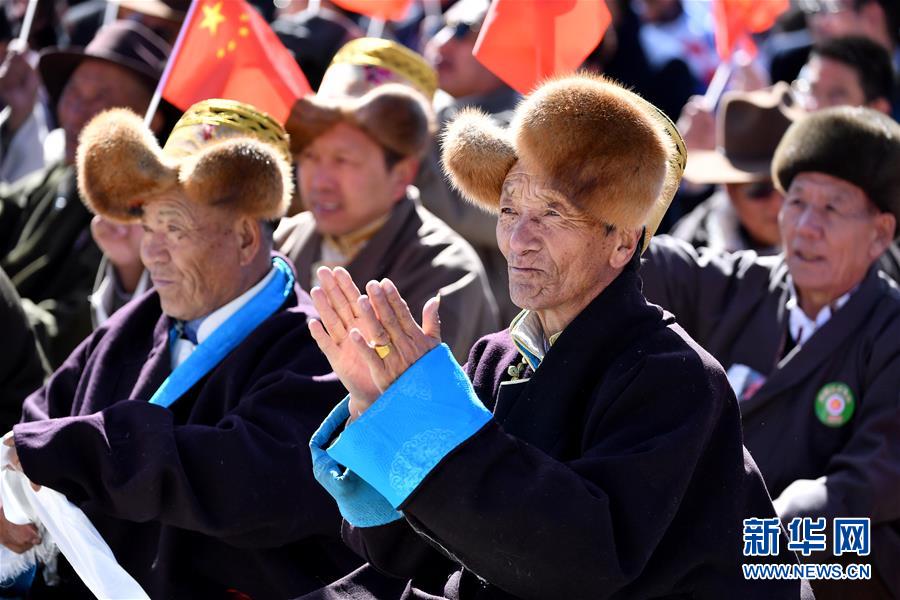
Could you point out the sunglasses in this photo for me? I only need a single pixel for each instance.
(760, 190)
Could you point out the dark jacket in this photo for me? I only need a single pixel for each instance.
(47, 250)
(422, 256)
(615, 470)
(735, 306)
(22, 368)
(213, 494)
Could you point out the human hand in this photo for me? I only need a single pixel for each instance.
(397, 341)
(19, 83)
(336, 301)
(697, 124)
(122, 246)
(18, 538)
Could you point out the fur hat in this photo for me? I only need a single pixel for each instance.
(221, 153)
(394, 115)
(858, 145)
(606, 149)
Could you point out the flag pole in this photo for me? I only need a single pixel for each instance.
(22, 40)
(111, 11)
(376, 28)
(157, 94)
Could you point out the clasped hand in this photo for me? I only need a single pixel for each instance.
(369, 339)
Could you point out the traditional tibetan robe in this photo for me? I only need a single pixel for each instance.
(613, 470)
(212, 494)
(820, 417)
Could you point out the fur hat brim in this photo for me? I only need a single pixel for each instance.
(121, 167)
(601, 146)
(394, 115)
(856, 144)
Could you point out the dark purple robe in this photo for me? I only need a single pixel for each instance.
(615, 470)
(214, 493)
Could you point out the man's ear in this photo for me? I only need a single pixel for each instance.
(403, 173)
(885, 230)
(625, 243)
(249, 234)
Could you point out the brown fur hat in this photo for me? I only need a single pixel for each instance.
(221, 153)
(604, 148)
(858, 145)
(396, 116)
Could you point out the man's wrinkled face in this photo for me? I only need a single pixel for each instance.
(193, 255)
(556, 255)
(96, 86)
(345, 182)
(832, 234)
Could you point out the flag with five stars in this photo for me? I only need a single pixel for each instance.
(227, 50)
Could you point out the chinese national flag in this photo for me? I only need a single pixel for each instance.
(525, 42)
(386, 10)
(227, 50)
(735, 20)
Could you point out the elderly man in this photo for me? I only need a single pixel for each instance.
(811, 338)
(359, 144)
(45, 242)
(180, 426)
(612, 464)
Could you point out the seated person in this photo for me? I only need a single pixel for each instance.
(45, 242)
(610, 463)
(180, 426)
(811, 337)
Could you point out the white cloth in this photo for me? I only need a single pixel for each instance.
(183, 348)
(800, 325)
(66, 527)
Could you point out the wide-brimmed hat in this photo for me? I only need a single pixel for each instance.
(606, 149)
(125, 43)
(856, 144)
(171, 10)
(748, 128)
(221, 152)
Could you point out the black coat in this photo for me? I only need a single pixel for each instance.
(616, 470)
(215, 493)
(22, 368)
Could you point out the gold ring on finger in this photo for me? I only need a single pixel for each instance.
(383, 350)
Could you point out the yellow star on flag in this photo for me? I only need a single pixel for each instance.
(212, 17)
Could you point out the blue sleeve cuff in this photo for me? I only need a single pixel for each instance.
(360, 504)
(426, 413)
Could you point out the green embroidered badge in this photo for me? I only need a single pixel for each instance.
(835, 404)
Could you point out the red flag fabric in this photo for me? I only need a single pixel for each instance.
(227, 50)
(386, 10)
(735, 20)
(525, 42)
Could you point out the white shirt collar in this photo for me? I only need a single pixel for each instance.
(802, 327)
(528, 335)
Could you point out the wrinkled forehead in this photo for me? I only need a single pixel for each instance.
(523, 184)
